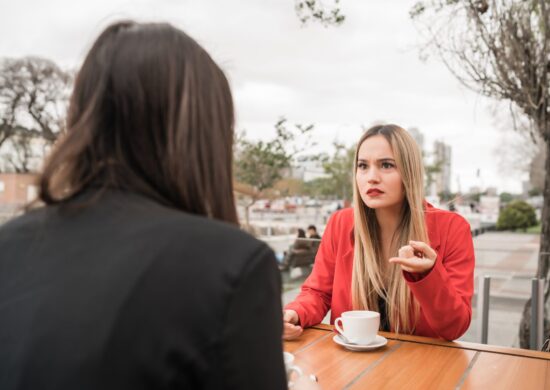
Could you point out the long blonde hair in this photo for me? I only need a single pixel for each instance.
(367, 281)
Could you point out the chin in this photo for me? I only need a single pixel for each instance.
(378, 204)
(374, 204)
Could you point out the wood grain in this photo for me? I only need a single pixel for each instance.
(309, 336)
(414, 362)
(418, 366)
(500, 371)
(334, 365)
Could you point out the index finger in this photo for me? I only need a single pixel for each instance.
(412, 263)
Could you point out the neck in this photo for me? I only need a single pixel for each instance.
(388, 219)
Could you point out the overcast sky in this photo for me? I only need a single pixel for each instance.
(339, 78)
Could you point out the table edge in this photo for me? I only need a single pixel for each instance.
(456, 344)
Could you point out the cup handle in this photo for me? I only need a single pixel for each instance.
(296, 369)
(337, 325)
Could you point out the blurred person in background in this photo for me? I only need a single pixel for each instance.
(312, 232)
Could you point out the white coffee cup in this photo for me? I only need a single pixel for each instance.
(358, 326)
(289, 367)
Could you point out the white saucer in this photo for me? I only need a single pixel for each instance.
(378, 342)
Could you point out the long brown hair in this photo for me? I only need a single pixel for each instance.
(150, 113)
(367, 280)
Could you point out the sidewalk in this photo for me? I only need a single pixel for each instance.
(511, 261)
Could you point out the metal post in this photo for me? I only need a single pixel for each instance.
(537, 314)
(483, 307)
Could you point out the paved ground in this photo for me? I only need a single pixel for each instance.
(509, 258)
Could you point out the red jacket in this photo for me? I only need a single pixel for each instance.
(444, 294)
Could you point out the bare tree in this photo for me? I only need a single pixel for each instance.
(516, 152)
(499, 48)
(22, 155)
(319, 11)
(11, 96)
(33, 99)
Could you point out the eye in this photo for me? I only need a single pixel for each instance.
(387, 165)
(361, 165)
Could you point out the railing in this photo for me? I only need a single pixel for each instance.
(537, 311)
(483, 229)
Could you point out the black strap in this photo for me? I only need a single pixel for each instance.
(384, 320)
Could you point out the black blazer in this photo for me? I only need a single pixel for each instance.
(128, 294)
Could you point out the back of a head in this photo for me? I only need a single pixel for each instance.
(150, 113)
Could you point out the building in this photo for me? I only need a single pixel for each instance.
(442, 158)
(308, 168)
(418, 137)
(16, 190)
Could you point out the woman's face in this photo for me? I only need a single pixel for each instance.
(378, 180)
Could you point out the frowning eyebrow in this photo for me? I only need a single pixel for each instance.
(385, 159)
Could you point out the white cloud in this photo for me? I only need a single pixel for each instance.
(338, 78)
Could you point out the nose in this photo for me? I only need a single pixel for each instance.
(373, 176)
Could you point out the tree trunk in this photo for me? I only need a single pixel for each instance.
(543, 263)
(247, 213)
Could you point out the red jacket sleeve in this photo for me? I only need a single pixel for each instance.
(314, 300)
(445, 293)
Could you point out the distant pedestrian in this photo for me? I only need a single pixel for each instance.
(312, 232)
(300, 245)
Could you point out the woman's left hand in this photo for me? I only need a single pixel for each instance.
(417, 257)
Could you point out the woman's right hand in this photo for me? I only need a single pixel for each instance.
(290, 328)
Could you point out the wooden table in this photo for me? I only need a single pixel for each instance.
(413, 362)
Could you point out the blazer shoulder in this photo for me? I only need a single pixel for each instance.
(444, 225)
(24, 223)
(343, 218)
(440, 216)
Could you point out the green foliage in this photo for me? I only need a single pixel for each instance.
(447, 196)
(506, 197)
(339, 167)
(534, 229)
(535, 192)
(321, 187)
(260, 164)
(517, 215)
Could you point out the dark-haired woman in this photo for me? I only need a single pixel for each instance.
(134, 274)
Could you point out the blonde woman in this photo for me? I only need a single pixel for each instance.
(392, 252)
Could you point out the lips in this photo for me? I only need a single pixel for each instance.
(374, 192)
